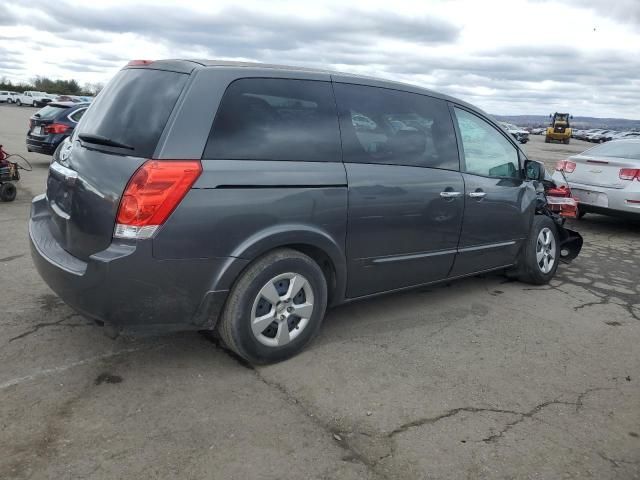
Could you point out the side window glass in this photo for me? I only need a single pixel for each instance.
(276, 119)
(392, 127)
(76, 116)
(486, 151)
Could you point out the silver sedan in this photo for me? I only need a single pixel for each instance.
(604, 179)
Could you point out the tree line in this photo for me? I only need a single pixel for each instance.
(45, 84)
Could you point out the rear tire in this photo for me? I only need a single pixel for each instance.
(546, 140)
(19, 102)
(567, 141)
(265, 331)
(8, 192)
(581, 212)
(34, 104)
(541, 254)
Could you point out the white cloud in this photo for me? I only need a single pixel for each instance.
(521, 56)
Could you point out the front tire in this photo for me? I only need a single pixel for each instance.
(541, 254)
(275, 308)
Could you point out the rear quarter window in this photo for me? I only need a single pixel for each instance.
(276, 119)
(134, 107)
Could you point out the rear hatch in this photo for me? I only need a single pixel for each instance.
(117, 134)
(44, 117)
(600, 166)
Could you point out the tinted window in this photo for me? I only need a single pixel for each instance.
(134, 107)
(276, 119)
(486, 151)
(616, 149)
(385, 126)
(50, 111)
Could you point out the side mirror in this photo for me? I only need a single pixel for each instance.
(534, 170)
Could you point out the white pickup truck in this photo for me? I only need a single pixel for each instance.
(32, 98)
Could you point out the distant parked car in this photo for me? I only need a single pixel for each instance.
(601, 137)
(520, 134)
(51, 125)
(9, 97)
(33, 99)
(538, 131)
(67, 98)
(604, 179)
(630, 135)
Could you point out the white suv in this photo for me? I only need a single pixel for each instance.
(9, 97)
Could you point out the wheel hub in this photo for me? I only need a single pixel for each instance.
(282, 309)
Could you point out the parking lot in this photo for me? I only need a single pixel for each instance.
(482, 379)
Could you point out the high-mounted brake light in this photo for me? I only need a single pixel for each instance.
(629, 174)
(152, 194)
(567, 165)
(56, 128)
(139, 63)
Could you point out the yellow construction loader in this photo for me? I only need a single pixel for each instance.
(559, 130)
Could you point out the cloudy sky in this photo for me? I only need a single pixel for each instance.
(507, 57)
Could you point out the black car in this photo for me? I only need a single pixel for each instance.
(52, 124)
(248, 198)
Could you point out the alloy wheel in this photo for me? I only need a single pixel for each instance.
(546, 250)
(282, 309)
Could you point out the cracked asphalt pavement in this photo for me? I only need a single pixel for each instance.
(481, 379)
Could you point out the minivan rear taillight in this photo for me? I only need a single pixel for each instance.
(152, 194)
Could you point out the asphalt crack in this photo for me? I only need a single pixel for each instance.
(340, 437)
(11, 257)
(617, 462)
(39, 326)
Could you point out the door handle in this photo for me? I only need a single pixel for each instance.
(477, 194)
(450, 194)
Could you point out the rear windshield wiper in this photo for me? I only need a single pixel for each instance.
(100, 140)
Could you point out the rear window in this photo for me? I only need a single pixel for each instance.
(50, 111)
(620, 149)
(133, 109)
(276, 119)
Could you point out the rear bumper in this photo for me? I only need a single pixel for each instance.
(46, 147)
(126, 287)
(619, 200)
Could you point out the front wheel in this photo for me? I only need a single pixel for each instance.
(541, 253)
(275, 308)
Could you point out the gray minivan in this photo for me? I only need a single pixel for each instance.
(246, 198)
